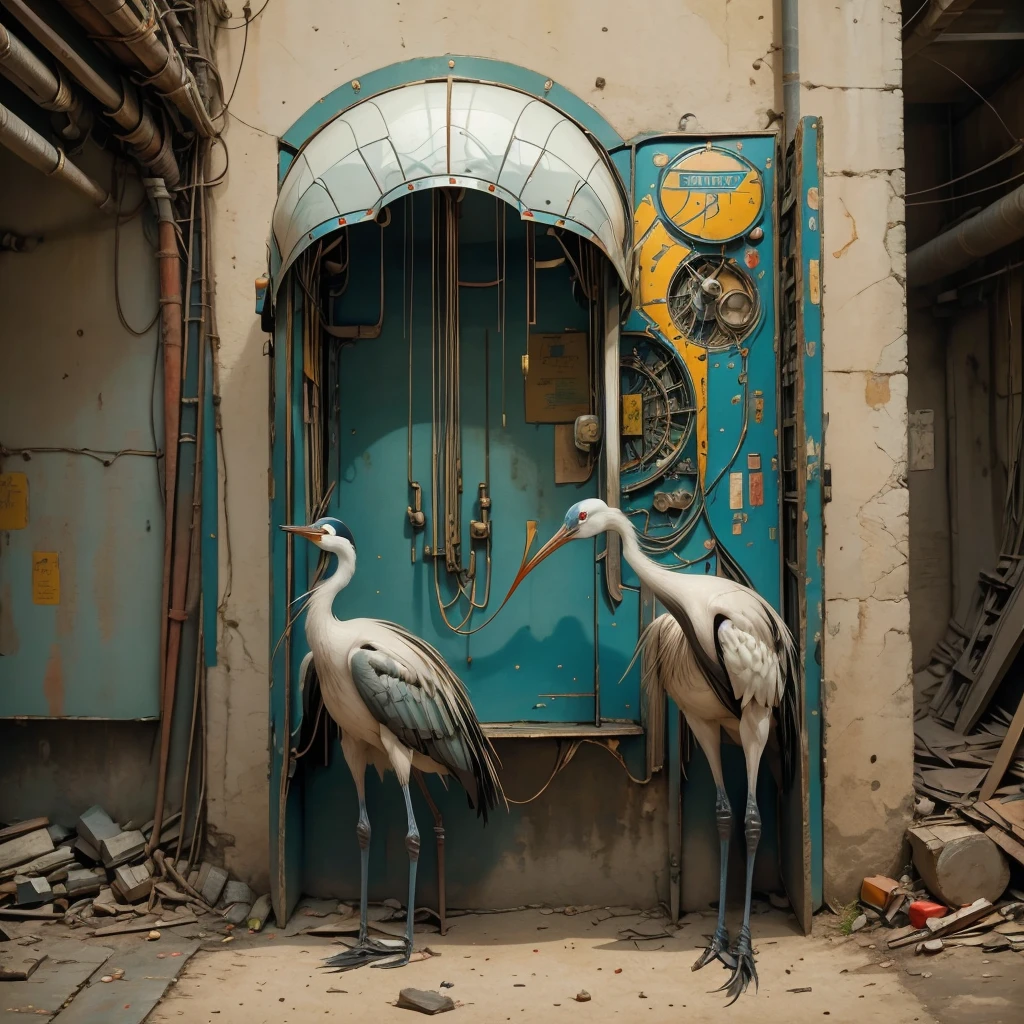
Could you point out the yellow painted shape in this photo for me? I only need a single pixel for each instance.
(13, 501)
(712, 195)
(632, 415)
(45, 577)
(659, 256)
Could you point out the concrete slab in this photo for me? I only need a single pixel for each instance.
(68, 965)
(130, 999)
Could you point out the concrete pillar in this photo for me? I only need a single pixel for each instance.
(850, 71)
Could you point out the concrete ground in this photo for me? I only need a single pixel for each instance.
(530, 965)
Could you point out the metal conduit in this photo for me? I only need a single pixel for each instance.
(21, 140)
(996, 226)
(21, 66)
(147, 140)
(170, 75)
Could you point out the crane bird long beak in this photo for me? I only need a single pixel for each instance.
(562, 537)
(313, 533)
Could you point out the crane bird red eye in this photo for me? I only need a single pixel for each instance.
(583, 515)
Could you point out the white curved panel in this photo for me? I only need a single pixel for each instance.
(464, 133)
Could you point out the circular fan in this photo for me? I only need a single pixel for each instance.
(658, 410)
(713, 302)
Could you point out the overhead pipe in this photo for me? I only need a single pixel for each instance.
(49, 90)
(96, 25)
(791, 66)
(175, 565)
(169, 73)
(148, 141)
(992, 229)
(21, 140)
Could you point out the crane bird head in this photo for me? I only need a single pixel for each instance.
(586, 518)
(329, 534)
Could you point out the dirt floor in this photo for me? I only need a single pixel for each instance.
(530, 965)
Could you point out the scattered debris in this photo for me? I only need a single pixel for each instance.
(920, 910)
(259, 913)
(806, 988)
(423, 1001)
(18, 964)
(583, 996)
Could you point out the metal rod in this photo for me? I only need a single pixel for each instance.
(175, 563)
(442, 904)
(31, 147)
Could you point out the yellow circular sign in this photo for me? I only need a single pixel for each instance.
(711, 194)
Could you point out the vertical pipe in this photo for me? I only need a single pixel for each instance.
(791, 65)
(172, 614)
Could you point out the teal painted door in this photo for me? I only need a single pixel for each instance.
(536, 661)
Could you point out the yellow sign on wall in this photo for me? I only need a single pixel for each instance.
(45, 577)
(13, 501)
(632, 415)
(711, 194)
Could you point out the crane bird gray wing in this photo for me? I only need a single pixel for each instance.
(423, 702)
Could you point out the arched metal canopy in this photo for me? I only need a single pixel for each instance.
(452, 133)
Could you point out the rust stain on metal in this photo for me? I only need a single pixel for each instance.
(53, 683)
(9, 640)
(756, 485)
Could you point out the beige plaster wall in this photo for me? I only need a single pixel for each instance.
(850, 71)
(717, 60)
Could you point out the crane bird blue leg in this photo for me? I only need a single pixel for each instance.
(709, 737)
(755, 723)
(366, 949)
(412, 844)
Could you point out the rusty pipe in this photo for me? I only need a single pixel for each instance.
(148, 141)
(169, 74)
(24, 69)
(175, 566)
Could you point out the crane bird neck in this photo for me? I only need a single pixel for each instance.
(335, 582)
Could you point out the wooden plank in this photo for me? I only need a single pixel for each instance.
(22, 828)
(1006, 642)
(1011, 845)
(1006, 751)
(27, 847)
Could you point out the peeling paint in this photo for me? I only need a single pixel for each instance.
(877, 390)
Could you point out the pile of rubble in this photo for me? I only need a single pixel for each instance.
(113, 879)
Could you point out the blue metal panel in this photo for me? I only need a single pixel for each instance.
(732, 526)
(425, 68)
(72, 379)
(810, 141)
(536, 661)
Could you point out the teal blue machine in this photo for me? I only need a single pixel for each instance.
(472, 331)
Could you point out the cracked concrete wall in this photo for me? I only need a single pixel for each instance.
(730, 78)
(302, 50)
(850, 72)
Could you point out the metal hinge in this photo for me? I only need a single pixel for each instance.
(826, 483)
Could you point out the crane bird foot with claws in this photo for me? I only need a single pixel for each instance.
(728, 660)
(399, 706)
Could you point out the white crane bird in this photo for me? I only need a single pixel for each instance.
(728, 660)
(398, 706)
